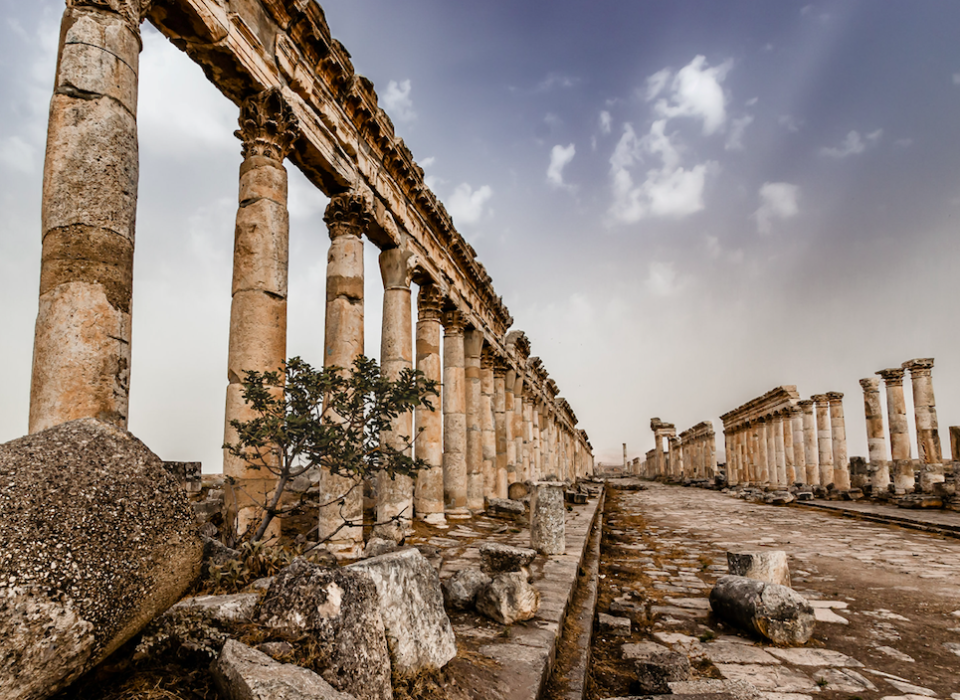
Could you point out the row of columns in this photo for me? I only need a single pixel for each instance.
(698, 452)
(499, 422)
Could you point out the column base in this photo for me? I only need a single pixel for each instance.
(462, 513)
(432, 518)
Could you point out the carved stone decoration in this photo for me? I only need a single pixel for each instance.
(347, 214)
(430, 303)
(131, 10)
(268, 126)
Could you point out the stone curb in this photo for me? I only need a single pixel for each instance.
(890, 519)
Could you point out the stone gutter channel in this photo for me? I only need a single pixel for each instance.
(515, 662)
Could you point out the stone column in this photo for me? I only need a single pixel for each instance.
(838, 430)
(729, 449)
(791, 473)
(454, 418)
(508, 412)
(547, 518)
(395, 496)
(799, 455)
(517, 422)
(824, 439)
(900, 453)
(537, 448)
(258, 311)
(428, 493)
(780, 448)
(811, 454)
(500, 425)
(528, 462)
(81, 350)
(925, 410)
(876, 441)
(347, 218)
(472, 347)
(955, 444)
(487, 423)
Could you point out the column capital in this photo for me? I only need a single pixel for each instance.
(487, 358)
(920, 367)
(396, 268)
(347, 214)
(268, 126)
(821, 399)
(131, 10)
(834, 396)
(871, 385)
(499, 367)
(793, 410)
(429, 303)
(892, 376)
(805, 404)
(453, 322)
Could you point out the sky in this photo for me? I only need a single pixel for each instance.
(684, 203)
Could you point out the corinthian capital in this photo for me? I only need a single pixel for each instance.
(429, 303)
(268, 126)
(131, 10)
(920, 367)
(347, 213)
(893, 376)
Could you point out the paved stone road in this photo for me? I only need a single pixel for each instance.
(888, 599)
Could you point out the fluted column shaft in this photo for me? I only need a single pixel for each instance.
(780, 448)
(537, 447)
(896, 414)
(487, 424)
(838, 431)
(824, 439)
(473, 345)
(509, 410)
(811, 452)
(454, 418)
(799, 458)
(517, 421)
(770, 449)
(925, 411)
(428, 492)
(791, 472)
(500, 427)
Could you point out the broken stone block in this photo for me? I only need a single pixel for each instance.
(575, 497)
(98, 538)
(499, 558)
(340, 610)
(460, 590)
(509, 598)
(518, 491)
(771, 566)
(242, 673)
(804, 495)
(376, 546)
(548, 518)
(419, 634)
(504, 506)
(656, 666)
(616, 626)
(779, 498)
(778, 613)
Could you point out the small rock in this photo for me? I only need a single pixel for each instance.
(505, 506)
(276, 650)
(616, 626)
(509, 598)
(499, 558)
(517, 491)
(460, 590)
(389, 531)
(376, 546)
(656, 666)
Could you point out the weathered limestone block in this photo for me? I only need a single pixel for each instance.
(242, 673)
(548, 518)
(340, 610)
(419, 634)
(517, 491)
(771, 567)
(776, 612)
(500, 558)
(613, 625)
(98, 538)
(505, 506)
(509, 598)
(656, 666)
(460, 590)
(377, 546)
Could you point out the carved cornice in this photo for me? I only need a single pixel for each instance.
(131, 10)
(500, 367)
(429, 303)
(892, 376)
(347, 214)
(268, 126)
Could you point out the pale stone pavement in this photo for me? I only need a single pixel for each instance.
(888, 599)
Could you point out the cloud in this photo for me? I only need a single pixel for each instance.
(670, 191)
(852, 145)
(790, 123)
(778, 200)
(712, 244)
(466, 205)
(606, 122)
(397, 101)
(956, 78)
(17, 154)
(695, 91)
(737, 127)
(662, 279)
(428, 162)
(555, 81)
(560, 156)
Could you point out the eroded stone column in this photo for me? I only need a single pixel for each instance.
(537, 460)
(838, 431)
(81, 351)
(770, 451)
(508, 413)
(799, 454)
(791, 472)
(528, 468)
(487, 423)
(900, 452)
(258, 310)
(347, 218)
(780, 448)
(454, 418)
(925, 410)
(428, 493)
(395, 496)
(811, 453)
(500, 425)
(876, 440)
(517, 423)
(824, 439)
(472, 347)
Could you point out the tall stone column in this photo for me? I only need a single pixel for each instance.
(528, 462)
(395, 496)
(517, 421)
(791, 472)
(838, 431)
(81, 350)
(673, 444)
(428, 492)
(896, 413)
(925, 410)
(537, 447)
(876, 441)
(500, 424)
(347, 217)
(770, 451)
(508, 412)
(780, 448)
(824, 439)
(454, 418)
(487, 423)
(811, 453)
(799, 454)
(258, 311)
(472, 347)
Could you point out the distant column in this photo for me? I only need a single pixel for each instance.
(673, 444)
(811, 454)
(487, 423)
(799, 453)
(729, 448)
(510, 381)
(780, 447)
(537, 458)
(428, 492)
(876, 441)
(472, 347)
(824, 439)
(763, 464)
(925, 410)
(900, 453)
(454, 418)
(790, 475)
(500, 426)
(770, 438)
(838, 431)
(517, 420)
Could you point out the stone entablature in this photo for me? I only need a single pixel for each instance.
(698, 451)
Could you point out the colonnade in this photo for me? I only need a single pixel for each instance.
(501, 419)
(698, 451)
(778, 440)
(691, 455)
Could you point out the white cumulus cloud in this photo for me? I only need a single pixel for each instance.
(560, 157)
(956, 78)
(853, 144)
(397, 101)
(778, 200)
(606, 122)
(695, 91)
(467, 205)
(737, 128)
